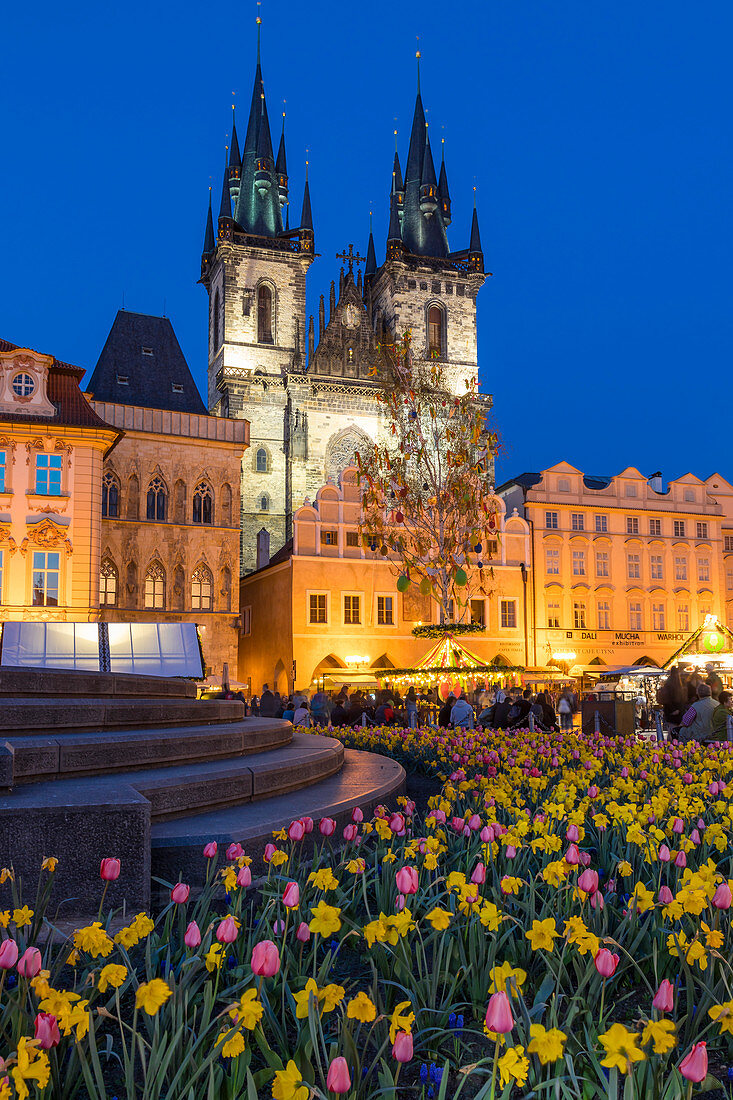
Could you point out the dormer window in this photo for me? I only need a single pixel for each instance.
(147, 351)
(177, 387)
(23, 384)
(123, 380)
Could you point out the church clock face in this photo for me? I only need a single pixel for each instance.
(350, 316)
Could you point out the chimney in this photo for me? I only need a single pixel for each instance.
(655, 482)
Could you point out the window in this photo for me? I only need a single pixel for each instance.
(147, 351)
(635, 616)
(632, 525)
(728, 542)
(683, 617)
(107, 584)
(551, 520)
(604, 615)
(246, 620)
(122, 380)
(3, 462)
(578, 563)
(633, 566)
(264, 315)
(352, 610)
(577, 521)
(602, 569)
(203, 504)
(176, 387)
(602, 523)
(579, 615)
(680, 569)
(690, 495)
(655, 526)
(352, 538)
(202, 590)
(385, 611)
(702, 530)
(264, 503)
(478, 613)
(110, 496)
(435, 332)
(657, 564)
(703, 569)
(318, 610)
(552, 561)
(23, 385)
(155, 587)
(46, 570)
(657, 616)
(329, 538)
(679, 528)
(553, 615)
(48, 475)
(215, 311)
(262, 461)
(157, 500)
(630, 489)
(508, 613)
(563, 485)
(729, 579)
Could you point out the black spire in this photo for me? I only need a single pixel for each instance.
(475, 254)
(397, 172)
(281, 166)
(258, 209)
(209, 239)
(235, 160)
(306, 217)
(225, 207)
(394, 235)
(371, 257)
(443, 192)
(423, 230)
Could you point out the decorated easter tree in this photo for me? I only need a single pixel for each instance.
(428, 501)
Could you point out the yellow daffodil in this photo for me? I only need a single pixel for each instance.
(400, 1020)
(361, 1008)
(662, 1034)
(233, 1043)
(288, 1084)
(324, 879)
(723, 1015)
(439, 918)
(326, 919)
(542, 934)
(152, 995)
(32, 1065)
(507, 979)
(113, 975)
(22, 917)
(214, 957)
(93, 940)
(50, 864)
(625, 869)
(303, 999)
(248, 1012)
(547, 1044)
(513, 1066)
(622, 1049)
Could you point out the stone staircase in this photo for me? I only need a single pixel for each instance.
(95, 764)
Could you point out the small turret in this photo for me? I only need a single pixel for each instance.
(321, 318)
(443, 193)
(226, 222)
(475, 254)
(235, 163)
(311, 340)
(371, 257)
(332, 301)
(209, 239)
(263, 164)
(394, 235)
(428, 182)
(306, 218)
(281, 169)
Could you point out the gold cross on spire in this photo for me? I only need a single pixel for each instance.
(351, 258)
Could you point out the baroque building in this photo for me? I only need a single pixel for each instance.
(311, 398)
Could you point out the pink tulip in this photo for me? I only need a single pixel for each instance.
(327, 826)
(180, 893)
(665, 895)
(664, 853)
(397, 824)
(357, 815)
(265, 961)
(588, 881)
(406, 879)
(694, 1067)
(351, 832)
(8, 954)
(402, 1047)
(210, 849)
(695, 836)
(474, 823)
(30, 962)
(234, 851)
(296, 830)
(479, 874)
(303, 933)
(338, 1078)
(664, 997)
(109, 869)
(47, 1032)
(307, 823)
(278, 927)
(606, 963)
(584, 858)
(593, 791)
(722, 897)
(487, 834)
(227, 930)
(624, 773)
(572, 856)
(499, 1014)
(596, 900)
(269, 852)
(192, 937)
(244, 876)
(510, 851)
(291, 896)
(572, 834)
(400, 903)
(678, 826)
(680, 860)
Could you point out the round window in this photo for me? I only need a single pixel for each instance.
(23, 385)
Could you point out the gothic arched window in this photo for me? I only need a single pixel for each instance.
(155, 587)
(202, 586)
(264, 314)
(203, 509)
(110, 495)
(435, 332)
(108, 584)
(262, 461)
(264, 503)
(157, 500)
(216, 323)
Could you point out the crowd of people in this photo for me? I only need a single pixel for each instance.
(696, 707)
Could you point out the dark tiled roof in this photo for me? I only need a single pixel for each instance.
(526, 481)
(592, 481)
(72, 408)
(150, 378)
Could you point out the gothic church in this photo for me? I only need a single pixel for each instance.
(311, 405)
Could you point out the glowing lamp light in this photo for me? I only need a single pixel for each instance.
(564, 656)
(355, 659)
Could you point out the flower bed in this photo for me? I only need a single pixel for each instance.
(558, 925)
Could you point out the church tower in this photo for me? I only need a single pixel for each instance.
(254, 270)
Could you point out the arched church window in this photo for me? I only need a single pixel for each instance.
(157, 503)
(107, 584)
(264, 314)
(262, 461)
(155, 587)
(110, 496)
(203, 509)
(264, 503)
(435, 332)
(202, 589)
(216, 323)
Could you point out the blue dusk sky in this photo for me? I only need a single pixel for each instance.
(598, 137)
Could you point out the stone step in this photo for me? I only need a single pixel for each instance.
(19, 715)
(36, 682)
(99, 752)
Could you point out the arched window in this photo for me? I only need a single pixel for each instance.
(226, 505)
(107, 584)
(264, 503)
(155, 587)
(435, 332)
(110, 496)
(203, 510)
(157, 500)
(202, 589)
(216, 323)
(264, 314)
(262, 461)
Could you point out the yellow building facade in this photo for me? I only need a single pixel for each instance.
(623, 568)
(327, 605)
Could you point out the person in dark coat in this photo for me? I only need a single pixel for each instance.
(338, 714)
(268, 703)
(500, 717)
(673, 697)
(444, 715)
